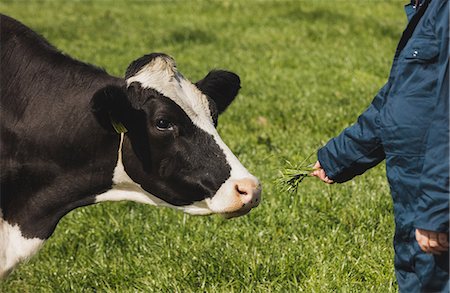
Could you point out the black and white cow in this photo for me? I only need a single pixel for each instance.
(72, 135)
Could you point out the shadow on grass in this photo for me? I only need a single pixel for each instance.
(188, 35)
(334, 18)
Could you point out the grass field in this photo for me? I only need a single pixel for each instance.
(308, 69)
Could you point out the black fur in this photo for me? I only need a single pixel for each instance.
(185, 160)
(57, 146)
(54, 154)
(110, 102)
(221, 86)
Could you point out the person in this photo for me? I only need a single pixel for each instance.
(407, 124)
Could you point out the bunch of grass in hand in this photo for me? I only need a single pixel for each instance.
(293, 175)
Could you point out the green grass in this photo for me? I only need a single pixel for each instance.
(308, 69)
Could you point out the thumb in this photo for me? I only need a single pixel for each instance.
(317, 165)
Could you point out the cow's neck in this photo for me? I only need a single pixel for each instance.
(123, 187)
(75, 188)
(64, 188)
(25, 223)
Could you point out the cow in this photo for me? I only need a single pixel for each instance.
(72, 135)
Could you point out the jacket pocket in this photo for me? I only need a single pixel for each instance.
(416, 74)
(422, 50)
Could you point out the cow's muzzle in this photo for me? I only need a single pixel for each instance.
(236, 197)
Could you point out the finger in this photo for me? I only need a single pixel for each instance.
(317, 165)
(422, 240)
(321, 174)
(426, 241)
(439, 250)
(435, 247)
(317, 172)
(326, 179)
(443, 239)
(433, 240)
(443, 247)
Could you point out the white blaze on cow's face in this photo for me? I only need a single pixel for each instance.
(176, 157)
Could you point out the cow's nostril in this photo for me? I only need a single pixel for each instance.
(249, 191)
(241, 190)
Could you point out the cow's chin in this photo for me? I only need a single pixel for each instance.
(234, 198)
(200, 210)
(236, 214)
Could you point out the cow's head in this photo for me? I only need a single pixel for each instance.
(172, 150)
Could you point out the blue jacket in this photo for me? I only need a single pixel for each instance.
(407, 124)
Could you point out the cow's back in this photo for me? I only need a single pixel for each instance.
(36, 77)
(46, 124)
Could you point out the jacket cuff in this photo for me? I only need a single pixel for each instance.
(436, 222)
(328, 164)
(432, 213)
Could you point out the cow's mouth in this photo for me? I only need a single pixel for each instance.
(236, 214)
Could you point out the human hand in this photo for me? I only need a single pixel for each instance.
(432, 242)
(320, 173)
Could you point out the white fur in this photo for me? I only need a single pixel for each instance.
(124, 188)
(14, 248)
(162, 75)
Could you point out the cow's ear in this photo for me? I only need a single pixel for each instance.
(137, 95)
(221, 86)
(111, 107)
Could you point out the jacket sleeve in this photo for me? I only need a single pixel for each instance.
(357, 148)
(433, 202)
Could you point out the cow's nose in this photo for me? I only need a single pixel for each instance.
(249, 191)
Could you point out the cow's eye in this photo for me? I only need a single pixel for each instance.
(163, 124)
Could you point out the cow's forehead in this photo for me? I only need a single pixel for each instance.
(161, 74)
